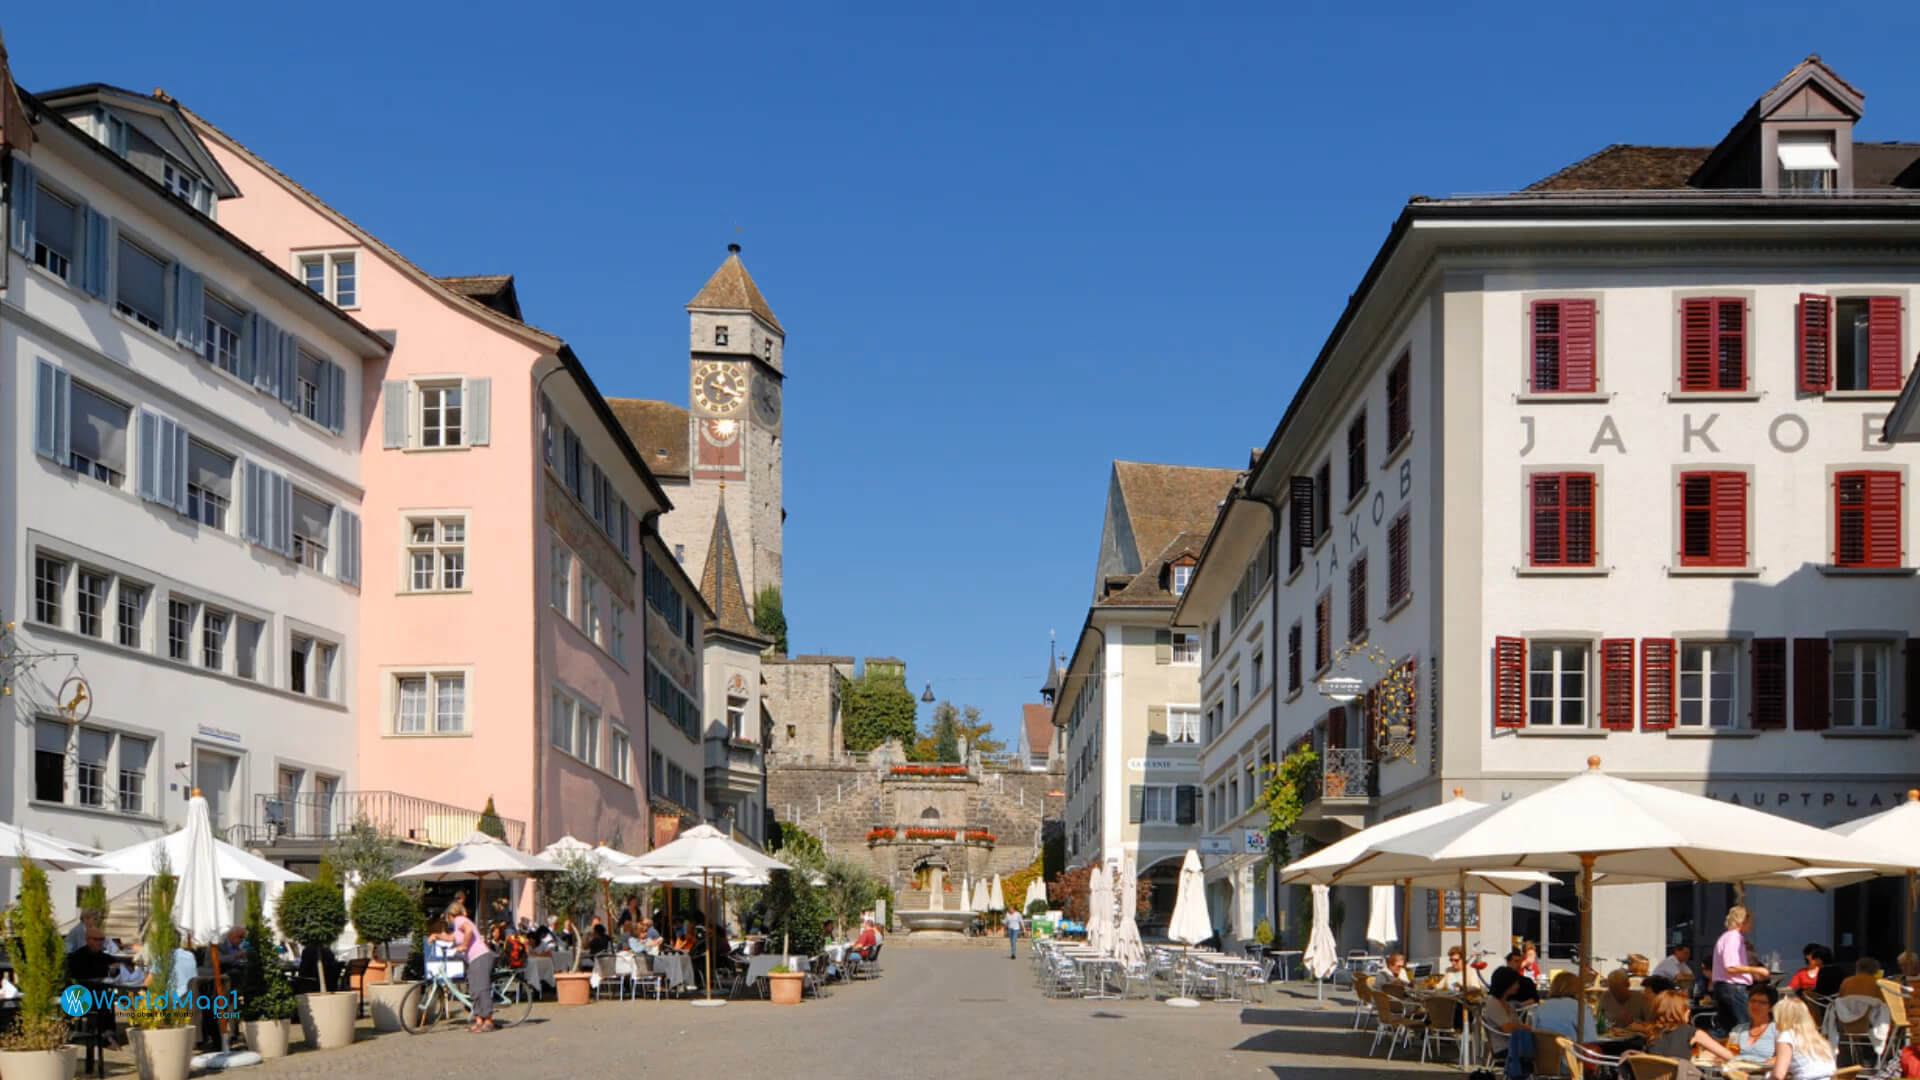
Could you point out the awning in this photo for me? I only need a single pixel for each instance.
(1806, 155)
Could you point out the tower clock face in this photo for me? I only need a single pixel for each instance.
(718, 388)
(766, 400)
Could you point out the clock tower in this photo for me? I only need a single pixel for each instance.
(736, 353)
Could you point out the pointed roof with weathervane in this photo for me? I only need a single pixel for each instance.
(720, 583)
(731, 288)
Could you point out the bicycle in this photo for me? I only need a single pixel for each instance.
(431, 1002)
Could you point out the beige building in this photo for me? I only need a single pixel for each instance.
(1129, 700)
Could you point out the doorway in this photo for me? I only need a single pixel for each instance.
(213, 774)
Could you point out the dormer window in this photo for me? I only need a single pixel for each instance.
(1182, 574)
(1807, 162)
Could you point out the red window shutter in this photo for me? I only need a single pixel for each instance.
(1577, 363)
(1713, 518)
(1356, 597)
(1548, 373)
(1713, 344)
(1656, 684)
(1815, 346)
(1883, 519)
(1336, 729)
(1372, 718)
(1696, 344)
(1509, 682)
(1616, 684)
(1323, 632)
(1399, 400)
(1562, 526)
(1867, 519)
(1769, 684)
(1812, 703)
(1883, 343)
(1398, 571)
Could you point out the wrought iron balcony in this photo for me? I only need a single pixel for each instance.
(1347, 775)
(321, 818)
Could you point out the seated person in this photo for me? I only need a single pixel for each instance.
(684, 940)
(1528, 989)
(540, 938)
(1865, 979)
(233, 948)
(1622, 1005)
(1909, 965)
(1655, 985)
(1816, 956)
(1498, 1014)
(597, 940)
(90, 963)
(1675, 962)
(1670, 1032)
(1827, 980)
(1458, 975)
(1559, 1012)
(650, 939)
(1394, 977)
(1749, 1047)
(867, 941)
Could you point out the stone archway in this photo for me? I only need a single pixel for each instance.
(929, 814)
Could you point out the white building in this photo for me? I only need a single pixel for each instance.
(1601, 461)
(179, 519)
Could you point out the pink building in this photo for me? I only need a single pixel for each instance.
(501, 654)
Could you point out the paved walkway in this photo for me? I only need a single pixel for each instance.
(938, 1012)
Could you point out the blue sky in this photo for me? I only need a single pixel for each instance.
(1006, 249)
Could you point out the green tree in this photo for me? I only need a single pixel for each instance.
(490, 822)
(946, 732)
(151, 1011)
(770, 618)
(366, 853)
(979, 732)
(40, 965)
(796, 842)
(93, 900)
(265, 993)
(875, 708)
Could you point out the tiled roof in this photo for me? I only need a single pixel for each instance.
(1628, 168)
(731, 288)
(493, 290)
(1163, 501)
(658, 429)
(1038, 722)
(1146, 589)
(720, 583)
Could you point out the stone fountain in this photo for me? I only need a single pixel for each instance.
(936, 921)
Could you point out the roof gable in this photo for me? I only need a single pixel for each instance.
(158, 118)
(1036, 729)
(731, 288)
(1150, 506)
(495, 291)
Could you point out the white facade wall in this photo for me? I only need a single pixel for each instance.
(232, 735)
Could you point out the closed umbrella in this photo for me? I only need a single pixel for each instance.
(1036, 890)
(199, 904)
(996, 900)
(978, 901)
(1190, 924)
(1380, 926)
(1321, 955)
(1126, 941)
(1099, 902)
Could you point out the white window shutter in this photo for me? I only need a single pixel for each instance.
(20, 195)
(393, 409)
(479, 400)
(146, 466)
(251, 508)
(52, 414)
(336, 396)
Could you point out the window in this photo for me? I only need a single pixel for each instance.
(720, 334)
(657, 771)
(1708, 680)
(1294, 635)
(437, 554)
(1357, 456)
(1233, 699)
(141, 285)
(90, 767)
(312, 526)
(89, 600)
(1557, 684)
(179, 628)
(134, 755)
(560, 578)
(109, 768)
(332, 275)
(1713, 344)
(1866, 518)
(132, 603)
(1356, 597)
(590, 607)
(1259, 669)
(1183, 724)
(1561, 528)
(225, 330)
(1399, 401)
(307, 380)
(676, 784)
(430, 703)
(1186, 647)
(213, 640)
(50, 760)
(737, 718)
(560, 722)
(440, 414)
(1807, 163)
(56, 232)
(1182, 574)
(209, 484)
(179, 181)
(1860, 684)
(298, 657)
(620, 753)
(1713, 519)
(1399, 559)
(576, 474)
(1866, 343)
(1563, 347)
(1156, 805)
(1323, 502)
(246, 647)
(693, 792)
(1323, 632)
(97, 434)
(617, 631)
(586, 739)
(49, 585)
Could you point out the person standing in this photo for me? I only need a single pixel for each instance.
(1013, 927)
(1733, 972)
(470, 943)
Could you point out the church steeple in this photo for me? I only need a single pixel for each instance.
(731, 288)
(720, 582)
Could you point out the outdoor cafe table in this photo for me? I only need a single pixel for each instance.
(1091, 966)
(759, 967)
(676, 968)
(540, 971)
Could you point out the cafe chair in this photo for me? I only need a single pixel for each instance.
(1553, 1055)
(1441, 1026)
(1363, 990)
(1898, 1029)
(1650, 1067)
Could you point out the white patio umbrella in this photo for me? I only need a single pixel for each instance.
(1099, 903)
(1595, 822)
(1321, 955)
(47, 852)
(479, 857)
(1126, 939)
(705, 851)
(234, 864)
(1036, 890)
(200, 909)
(1380, 923)
(1896, 830)
(1190, 924)
(996, 900)
(978, 901)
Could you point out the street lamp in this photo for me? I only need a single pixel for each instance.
(928, 696)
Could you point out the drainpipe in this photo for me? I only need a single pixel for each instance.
(1273, 695)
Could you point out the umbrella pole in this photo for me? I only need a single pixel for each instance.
(213, 954)
(1586, 942)
(1464, 958)
(706, 887)
(1406, 913)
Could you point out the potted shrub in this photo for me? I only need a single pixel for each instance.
(313, 914)
(162, 1027)
(383, 911)
(571, 894)
(266, 998)
(36, 1049)
(784, 984)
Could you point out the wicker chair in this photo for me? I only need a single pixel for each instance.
(1650, 1067)
(1363, 991)
(1399, 1021)
(1553, 1056)
(1441, 1026)
(1896, 1000)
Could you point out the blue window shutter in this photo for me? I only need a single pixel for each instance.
(282, 513)
(93, 264)
(146, 467)
(336, 396)
(262, 336)
(349, 547)
(20, 202)
(393, 414)
(479, 401)
(251, 514)
(289, 360)
(243, 364)
(52, 392)
(178, 477)
(189, 307)
(626, 530)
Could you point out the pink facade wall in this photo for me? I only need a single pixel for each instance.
(501, 632)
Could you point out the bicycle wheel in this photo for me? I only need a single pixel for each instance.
(421, 1009)
(512, 1000)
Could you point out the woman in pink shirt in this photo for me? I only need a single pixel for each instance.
(471, 943)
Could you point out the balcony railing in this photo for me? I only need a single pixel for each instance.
(1345, 774)
(312, 818)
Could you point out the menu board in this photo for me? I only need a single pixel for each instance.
(1447, 909)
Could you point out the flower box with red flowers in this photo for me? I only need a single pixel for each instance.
(929, 834)
(979, 836)
(927, 770)
(874, 835)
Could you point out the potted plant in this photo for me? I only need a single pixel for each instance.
(162, 1028)
(36, 1049)
(383, 911)
(571, 893)
(784, 984)
(313, 914)
(266, 998)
